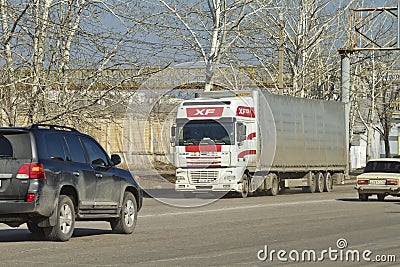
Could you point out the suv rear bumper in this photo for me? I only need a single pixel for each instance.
(15, 207)
(15, 213)
(20, 211)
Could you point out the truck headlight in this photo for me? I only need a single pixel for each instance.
(180, 178)
(229, 178)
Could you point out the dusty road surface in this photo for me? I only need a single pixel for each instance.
(333, 229)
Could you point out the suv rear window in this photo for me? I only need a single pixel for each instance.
(383, 166)
(15, 145)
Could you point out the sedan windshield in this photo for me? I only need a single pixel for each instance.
(207, 132)
(383, 166)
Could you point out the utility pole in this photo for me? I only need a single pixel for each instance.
(280, 54)
(369, 44)
(345, 89)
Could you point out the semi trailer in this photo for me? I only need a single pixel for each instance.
(255, 141)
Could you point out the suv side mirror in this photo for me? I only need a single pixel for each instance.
(115, 159)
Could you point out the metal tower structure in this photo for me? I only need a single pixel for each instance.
(362, 38)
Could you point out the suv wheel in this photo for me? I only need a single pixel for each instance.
(34, 228)
(65, 221)
(126, 222)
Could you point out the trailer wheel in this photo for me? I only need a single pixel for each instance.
(319, 179)
(328, 182)
(311, 184)
(274, 186)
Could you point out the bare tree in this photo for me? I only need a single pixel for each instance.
(311, 32)
(61, 61)
(201, 30)
(373, 94)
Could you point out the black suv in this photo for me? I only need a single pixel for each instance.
(52, 175)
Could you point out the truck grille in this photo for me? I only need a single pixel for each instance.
(203, 177)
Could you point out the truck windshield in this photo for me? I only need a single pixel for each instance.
(206, 132)
(383, 166)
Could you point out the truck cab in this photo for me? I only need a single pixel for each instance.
(215, 142)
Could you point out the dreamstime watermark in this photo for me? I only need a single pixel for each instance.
(340, 253)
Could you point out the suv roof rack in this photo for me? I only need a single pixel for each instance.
(53, 127)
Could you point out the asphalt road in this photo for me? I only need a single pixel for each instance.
(229, 232)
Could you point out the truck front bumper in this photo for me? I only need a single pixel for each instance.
(185, 187)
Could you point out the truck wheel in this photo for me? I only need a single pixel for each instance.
(328, 182)
(126, 222)
(319, 179)
(363, 197)
(282, 188)
(245, 186)
(381, 197)
(274, 186)
(65, 221)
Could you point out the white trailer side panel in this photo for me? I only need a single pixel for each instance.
(310, 134)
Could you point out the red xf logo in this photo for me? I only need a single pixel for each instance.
(245, 112)
(205, 112)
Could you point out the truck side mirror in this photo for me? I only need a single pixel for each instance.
(241, 133)
(172, 140)
(173, 135)
(173, 130)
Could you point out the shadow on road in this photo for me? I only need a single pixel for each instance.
(374, 200)
(81, 232)
(172, 194)
(18, 235)
(23, 235)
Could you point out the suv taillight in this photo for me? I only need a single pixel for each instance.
(31, 171)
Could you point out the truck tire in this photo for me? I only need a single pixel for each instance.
(282, 188)
(328, 182)
(245, 186)
(65, 221)
(126, 222)
(274, 186)
(319, 182)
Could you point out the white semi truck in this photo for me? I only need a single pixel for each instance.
(254, 141)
